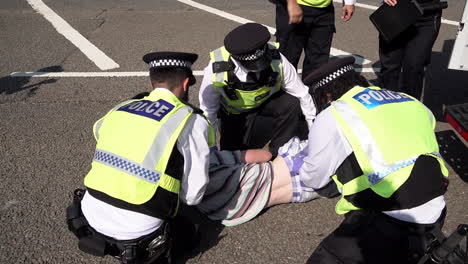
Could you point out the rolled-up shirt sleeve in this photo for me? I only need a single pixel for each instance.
(193, 145)
(209, 99)
(349, 2)
(293, 85)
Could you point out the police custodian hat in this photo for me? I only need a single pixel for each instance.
(170, 59)
(247, 42)
(330, 71)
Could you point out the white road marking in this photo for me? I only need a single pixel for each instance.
(121, 74)
(92, 52)
(241, 20)
(372, 7)
(9, 204)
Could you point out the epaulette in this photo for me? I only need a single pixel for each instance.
(223, 66)
(196, 110)
(141, 95)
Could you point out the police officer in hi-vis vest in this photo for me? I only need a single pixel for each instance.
(248, 80)
(378, 149)
(308, 25)
(151, 153)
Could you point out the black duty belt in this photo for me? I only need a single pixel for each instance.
(145, 249)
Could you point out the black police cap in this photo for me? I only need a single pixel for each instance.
(170, 59)
(330, 71)
(248, 39)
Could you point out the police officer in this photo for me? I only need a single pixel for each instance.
(150, 153)
(378, 149)
(248, 80)
(405, 57)
(308, 25)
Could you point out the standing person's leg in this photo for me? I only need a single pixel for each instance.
(281, 21)
(286, 114)
(418, 54)
(320, 23)
(391, 56)
(291, 37)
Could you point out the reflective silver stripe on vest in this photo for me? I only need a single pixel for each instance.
(380, 168)
(276, 68)
(127, 166)
(167, 129)
(218, 56)
(377, 176)
(146, 170)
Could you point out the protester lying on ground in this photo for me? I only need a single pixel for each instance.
(243, 183)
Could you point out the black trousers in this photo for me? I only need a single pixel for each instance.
(313, 35)
(278, 119)
(404, 58)
(373, 237)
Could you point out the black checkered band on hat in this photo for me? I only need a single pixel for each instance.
(329, 78)
(252, 56)
(170, 63)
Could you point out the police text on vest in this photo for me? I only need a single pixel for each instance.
(371, 98)
(154, 110)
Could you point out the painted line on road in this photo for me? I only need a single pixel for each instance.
(372, 7)
(122, 74)
(89, 50)
(241, 20)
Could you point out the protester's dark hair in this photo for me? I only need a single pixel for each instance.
(335, 89)
(172, 77)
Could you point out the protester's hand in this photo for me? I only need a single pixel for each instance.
(255, 155)
(295, 12)
(348, 11)
(391, 2)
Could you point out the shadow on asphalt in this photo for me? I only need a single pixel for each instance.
(443, 86)
(11, 85)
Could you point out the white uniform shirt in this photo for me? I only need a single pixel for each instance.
(124, 224)
(292, 84)
(328, 148)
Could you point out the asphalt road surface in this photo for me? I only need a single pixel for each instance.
(46, 142)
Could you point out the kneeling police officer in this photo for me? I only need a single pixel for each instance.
(150, 151)
(249, 78)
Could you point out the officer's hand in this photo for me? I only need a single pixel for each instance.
(295, 12)
(391, 2)
(348, 11)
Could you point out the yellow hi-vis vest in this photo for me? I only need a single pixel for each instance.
(134, 144)
(379, 125)
(315, 3)
(246, 100)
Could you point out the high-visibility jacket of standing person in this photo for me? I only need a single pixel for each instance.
(244, 100)
(387, 131)
(136, 141)
(315, 3)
